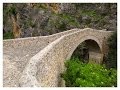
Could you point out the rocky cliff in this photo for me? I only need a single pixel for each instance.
(41, 19)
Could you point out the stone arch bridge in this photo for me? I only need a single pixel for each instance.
(38, 61)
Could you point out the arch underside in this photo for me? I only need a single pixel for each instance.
(95, 49)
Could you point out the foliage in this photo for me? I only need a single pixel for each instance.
(8, 11)
(92, 13)
(61, 22)
(112, 54)
(71, 20)
(11, 10)
(79, 74)
(29, 23)
(8, 35)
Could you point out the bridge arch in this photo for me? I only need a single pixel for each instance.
(43, 67)
(95, 48)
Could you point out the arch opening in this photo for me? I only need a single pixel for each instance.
(88, 51)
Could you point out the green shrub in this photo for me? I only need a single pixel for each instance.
(8, 35)
(11, 10)
(79, 74)
(112, 54)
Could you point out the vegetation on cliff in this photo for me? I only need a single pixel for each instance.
(41, 19)
(111, 58)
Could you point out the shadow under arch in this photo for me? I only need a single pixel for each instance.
(94, 45)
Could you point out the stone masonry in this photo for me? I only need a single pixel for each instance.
(38, 61)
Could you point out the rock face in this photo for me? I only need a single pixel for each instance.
(45, 19)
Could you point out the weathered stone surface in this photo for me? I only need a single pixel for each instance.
(40, 19)
(38, 61)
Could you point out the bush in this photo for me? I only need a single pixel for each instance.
(112, 54)
(8, 35)
(79, 74)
